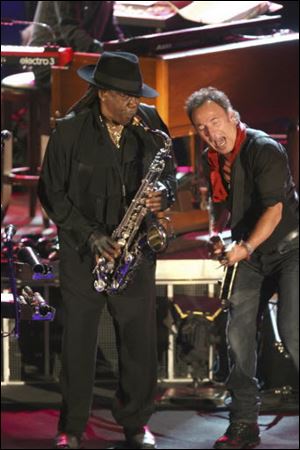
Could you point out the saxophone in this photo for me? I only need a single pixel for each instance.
(113, 277)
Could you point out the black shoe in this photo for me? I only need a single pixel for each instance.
(65, 440)
(239, 435)
(140, 438)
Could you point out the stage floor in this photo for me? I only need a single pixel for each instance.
(30, 414)
(30, 411)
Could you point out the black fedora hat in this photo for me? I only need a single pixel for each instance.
(118, 71)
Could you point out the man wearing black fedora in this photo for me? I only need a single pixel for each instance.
(94, 164)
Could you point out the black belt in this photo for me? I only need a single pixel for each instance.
(281, 246)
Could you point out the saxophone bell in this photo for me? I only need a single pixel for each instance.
(157, 238)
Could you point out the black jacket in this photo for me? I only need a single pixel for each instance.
(82, 175)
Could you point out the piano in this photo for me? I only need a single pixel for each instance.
(28, 57)
(195, 37)
(258, 73)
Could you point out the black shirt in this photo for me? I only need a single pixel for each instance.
(260, 179)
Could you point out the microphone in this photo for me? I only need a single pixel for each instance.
(27, 255)
(10, 231)
(34, 299)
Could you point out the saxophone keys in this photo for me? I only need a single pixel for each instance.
(99, 285)
(129, 258)
(122, 241)
(110, 266)
(115, 285)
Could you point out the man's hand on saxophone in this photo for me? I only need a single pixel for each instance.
(157, 198)
(102, 245)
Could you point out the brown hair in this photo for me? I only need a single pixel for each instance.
(198, 98)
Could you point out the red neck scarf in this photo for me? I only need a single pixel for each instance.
(219, 193)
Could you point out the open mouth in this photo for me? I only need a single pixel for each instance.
(220, 142)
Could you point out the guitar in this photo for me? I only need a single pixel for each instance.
(227, 285)
(229, 272)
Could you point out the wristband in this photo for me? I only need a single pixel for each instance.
(248, 247)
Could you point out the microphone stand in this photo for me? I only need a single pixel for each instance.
(5, 135)
(10, 231)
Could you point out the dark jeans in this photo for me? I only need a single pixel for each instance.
(242, 322)
(134, 318)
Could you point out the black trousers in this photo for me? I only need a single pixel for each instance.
(134, 317)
